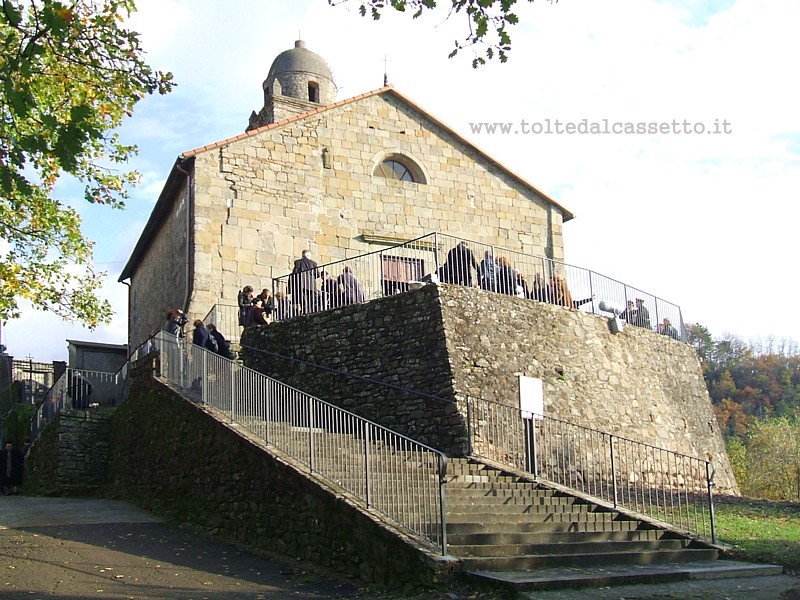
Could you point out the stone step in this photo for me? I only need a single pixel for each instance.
(459, 499)
(500, 538)
(610, 575)
(527, 562)
(486, 479)
(499, 494)
(580, 547)
(573, 516)
(498, 486)
(542, 527)
(520, 510)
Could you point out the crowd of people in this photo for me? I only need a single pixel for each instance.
(311, 289)
(497, 274)
(305, 294)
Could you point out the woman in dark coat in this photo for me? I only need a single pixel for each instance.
(245, 301)
(222, 343)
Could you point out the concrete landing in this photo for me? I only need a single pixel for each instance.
(550, 579)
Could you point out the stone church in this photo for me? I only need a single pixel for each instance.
(349, 177)
(341, 178)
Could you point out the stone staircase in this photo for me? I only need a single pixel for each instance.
(508, 529)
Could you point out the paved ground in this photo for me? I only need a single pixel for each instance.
(76, 548)
(782, 587)
(90, 549)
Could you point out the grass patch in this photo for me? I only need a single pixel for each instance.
(760, 530)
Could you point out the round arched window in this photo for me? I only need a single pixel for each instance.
(400, 168)
(393, 169)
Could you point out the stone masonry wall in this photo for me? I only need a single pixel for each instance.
(71, 456)
(159, 283)
(447, 340)
(172, 458)
(399, 340)
(262, 199)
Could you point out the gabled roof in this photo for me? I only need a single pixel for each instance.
(178, 172)
(566, 214)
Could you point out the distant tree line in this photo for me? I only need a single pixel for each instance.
(755, 392)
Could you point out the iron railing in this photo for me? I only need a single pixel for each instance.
(225, 317)
(658, 483)
(75, 389)
(448, 259)
(36, 378)
(387, 471)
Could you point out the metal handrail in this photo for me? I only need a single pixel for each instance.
(225, 317)
(60, 395)
(662, 484)
(433, 257)
(388, 471)
(592, 462)
(71, 391)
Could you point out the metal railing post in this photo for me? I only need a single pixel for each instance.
(204, 375)
(535, 459)
(442, 461)
(435, 251)
(470, 447)
(710, 471)
(367, 440)
(183, 357)
(233, 395)
(613, 469)
(310, 434)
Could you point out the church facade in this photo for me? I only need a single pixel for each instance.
(340, 178)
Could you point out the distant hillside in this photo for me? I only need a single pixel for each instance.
(748, 382)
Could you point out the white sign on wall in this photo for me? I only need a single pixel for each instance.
(531, 397)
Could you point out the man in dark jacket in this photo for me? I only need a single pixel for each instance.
(459, 265)
(79, 389)
(306, 274)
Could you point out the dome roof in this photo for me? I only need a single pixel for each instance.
(300, 59)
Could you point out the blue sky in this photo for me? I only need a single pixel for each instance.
(705, 221)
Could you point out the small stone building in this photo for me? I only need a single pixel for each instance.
(339, 178)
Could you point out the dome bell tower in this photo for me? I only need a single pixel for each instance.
(298, 80)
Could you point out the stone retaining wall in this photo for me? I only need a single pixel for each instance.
(452, 342)
(71, 456)
(170, 457)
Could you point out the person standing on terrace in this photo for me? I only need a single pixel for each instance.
(487, 272)
(642, 314)
(305, 275)
(459, 265)
(560, 291)
(245, 303)
(539, 289)
(352, 292)
(666, 328)
(629, 314)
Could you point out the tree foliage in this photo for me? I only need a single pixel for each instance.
(755, 391)
(69, 74)
(488, 21)
(745, 382)
(773, 459)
